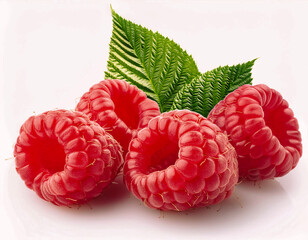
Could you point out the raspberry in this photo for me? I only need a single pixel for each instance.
(66, 158)
(179, 161)
(262, 129)
(120, 108)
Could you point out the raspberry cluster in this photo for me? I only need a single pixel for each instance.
(122, 109)
(66, 158)
(173, 161)
(262, 129)
(181, 160)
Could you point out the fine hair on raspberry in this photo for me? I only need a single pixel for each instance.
(66, 158)
(120, 108)
(263, 130)
(180, 161)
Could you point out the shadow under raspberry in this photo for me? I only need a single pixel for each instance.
(250, 204)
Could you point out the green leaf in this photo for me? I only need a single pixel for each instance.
(240, 75)
(205, 91)
(152, 62)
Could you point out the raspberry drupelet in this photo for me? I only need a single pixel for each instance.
(180, 161)
(120, 108)
(263, 130)
(66, 158)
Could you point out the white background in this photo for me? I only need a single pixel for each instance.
(51, 52)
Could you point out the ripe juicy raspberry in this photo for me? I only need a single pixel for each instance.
(66, 158)
(263, 130)
(120, 108)
(181, 160)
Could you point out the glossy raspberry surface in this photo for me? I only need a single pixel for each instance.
(120, 108)
(180, 161)
(262, 128)
(66, 158)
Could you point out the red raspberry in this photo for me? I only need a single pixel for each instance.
(66, 158)
(120, 108)
(263, 130)
(181, 160)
